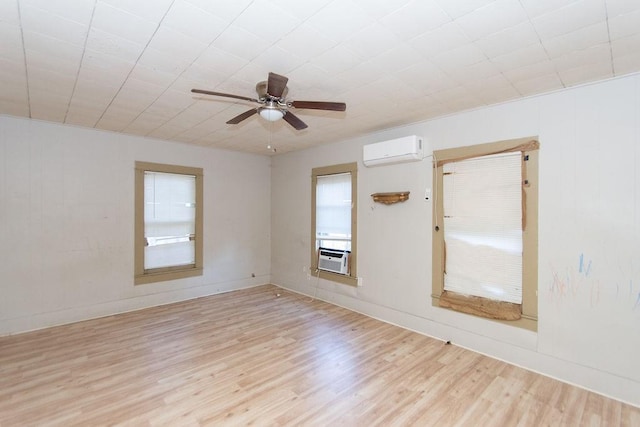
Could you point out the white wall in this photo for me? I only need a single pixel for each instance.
(66, 223)
(589, 237)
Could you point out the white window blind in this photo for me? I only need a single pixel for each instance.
(333, 207)
(169, 219)
(482, 200)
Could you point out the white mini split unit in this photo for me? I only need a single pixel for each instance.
(333, 260)
(406, 149)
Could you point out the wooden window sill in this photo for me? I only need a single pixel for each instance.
(479, 306)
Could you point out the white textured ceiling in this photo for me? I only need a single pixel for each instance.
(128, 65)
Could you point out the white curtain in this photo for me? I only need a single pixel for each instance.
(333, 206)
(169, 219)
(482, 200)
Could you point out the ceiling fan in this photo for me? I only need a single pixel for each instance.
(273, 104)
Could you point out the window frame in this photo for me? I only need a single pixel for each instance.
(528, 310)
(352, 278)
(142, 276)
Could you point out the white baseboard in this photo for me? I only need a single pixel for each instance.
(38, 321)
(597, 381)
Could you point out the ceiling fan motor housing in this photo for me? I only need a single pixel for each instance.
(261, 89)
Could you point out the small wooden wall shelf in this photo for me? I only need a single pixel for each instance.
(390, 198)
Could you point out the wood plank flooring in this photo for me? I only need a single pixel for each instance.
(251, 358)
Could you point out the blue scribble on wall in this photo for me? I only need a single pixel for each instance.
(581, 267)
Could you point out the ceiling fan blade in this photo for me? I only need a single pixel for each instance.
(316, 105)
(276, 85)
(240, 117)
(227, 95)
(294, 121)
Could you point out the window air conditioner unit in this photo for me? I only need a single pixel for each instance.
(335, 261)
(400, 150)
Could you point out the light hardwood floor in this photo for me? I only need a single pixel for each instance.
(249, 357)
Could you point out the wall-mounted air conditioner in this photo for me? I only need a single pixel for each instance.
(333, 260)
(406, 149)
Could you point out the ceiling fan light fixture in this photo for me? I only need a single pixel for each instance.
(271, 114)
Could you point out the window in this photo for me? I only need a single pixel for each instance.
(334, 217)
(168, 224)
(485, 230)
